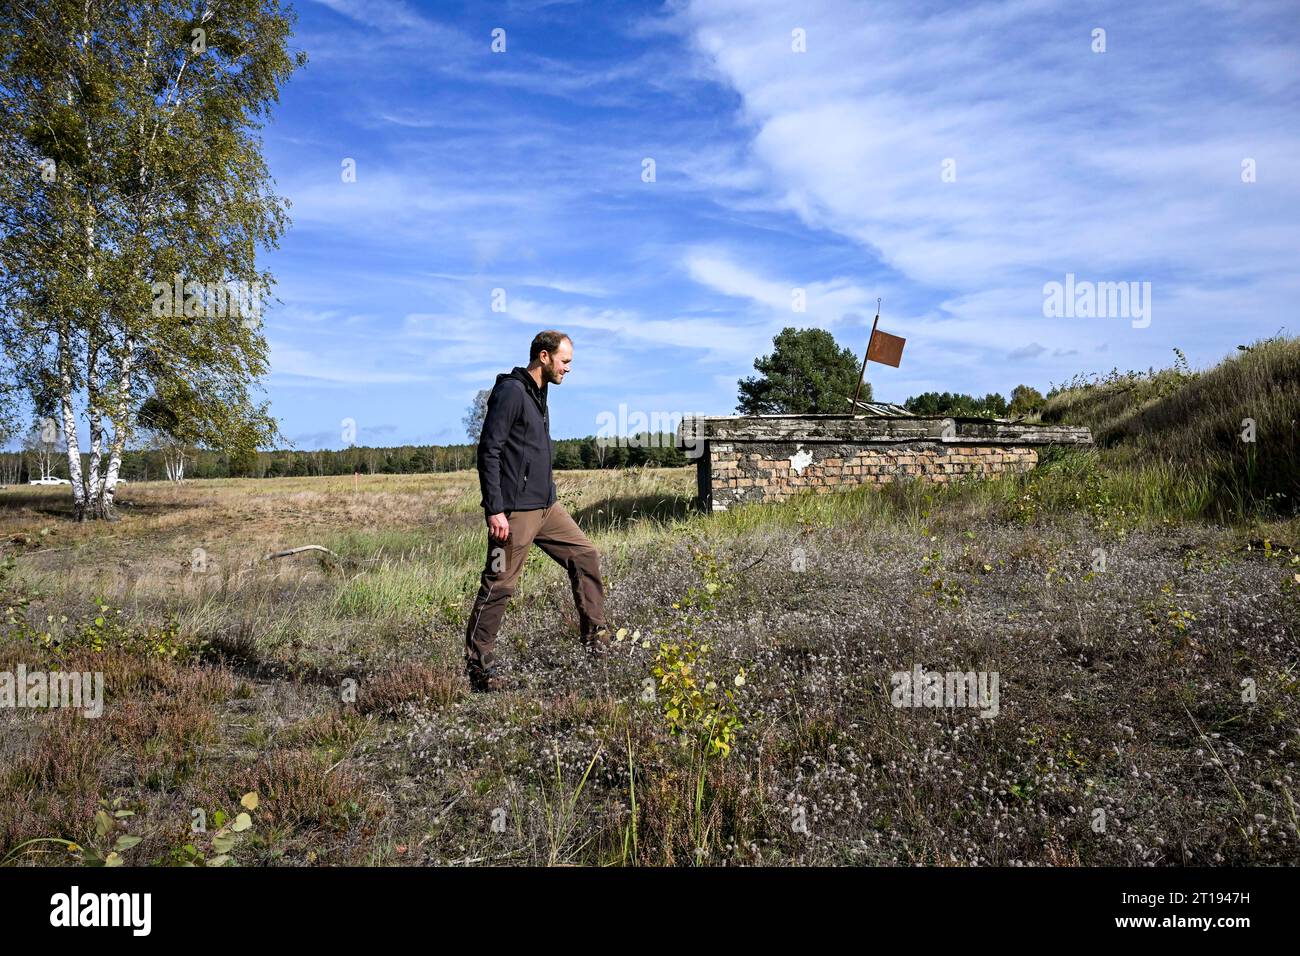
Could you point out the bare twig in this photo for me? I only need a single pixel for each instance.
(306, 547)
(758, 561)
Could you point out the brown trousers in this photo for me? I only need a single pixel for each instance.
(552, 530)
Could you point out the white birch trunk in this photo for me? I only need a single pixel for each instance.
(174, 461)
(121, 416)
(93, 479)
(69, 414)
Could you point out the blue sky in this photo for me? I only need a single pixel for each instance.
(775, 170)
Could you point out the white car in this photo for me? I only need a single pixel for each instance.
(49, 481)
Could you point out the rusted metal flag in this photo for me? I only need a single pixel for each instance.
(885, 348)
(881, 347)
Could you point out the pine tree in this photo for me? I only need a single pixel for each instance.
(808, 373)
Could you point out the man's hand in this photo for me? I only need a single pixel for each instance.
(498, 527)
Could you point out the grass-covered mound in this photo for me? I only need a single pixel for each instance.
(1222, 441)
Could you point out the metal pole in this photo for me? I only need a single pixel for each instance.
(863, 374)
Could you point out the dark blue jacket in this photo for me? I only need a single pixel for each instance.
(514, 449)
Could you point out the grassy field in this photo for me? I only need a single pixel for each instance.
(1121, 635)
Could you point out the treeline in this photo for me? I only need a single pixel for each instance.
(659, 449)
(570, 453)
(1024, 401)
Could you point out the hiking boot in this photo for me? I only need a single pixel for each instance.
(486, 682)
(598, 641)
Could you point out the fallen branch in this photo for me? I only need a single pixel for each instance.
(272, 555)
(306, 547)
(29, 554)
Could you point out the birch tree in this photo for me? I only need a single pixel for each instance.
(41, 445)
(133, 204)
(170, 431)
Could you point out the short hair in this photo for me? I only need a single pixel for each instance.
(546, 341)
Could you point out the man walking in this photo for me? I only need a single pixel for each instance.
(521, 509)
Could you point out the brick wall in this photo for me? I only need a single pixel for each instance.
(738, 472)
(741, 458)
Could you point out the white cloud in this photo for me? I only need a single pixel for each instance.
(628, 327)
(391, 17)
(1119, 166)
(349, 366)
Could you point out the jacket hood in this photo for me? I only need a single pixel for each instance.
(521, 373)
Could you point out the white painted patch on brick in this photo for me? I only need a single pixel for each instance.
(800, 460)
